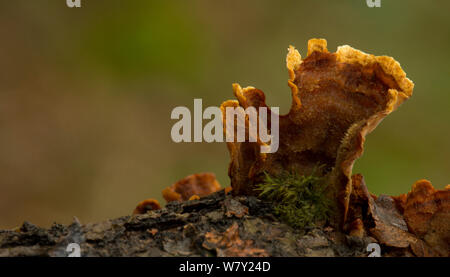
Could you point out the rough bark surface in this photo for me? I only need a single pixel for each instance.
(216, 225)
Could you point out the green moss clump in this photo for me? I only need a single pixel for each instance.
(298, 200)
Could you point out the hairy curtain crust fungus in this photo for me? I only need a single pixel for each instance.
(337, 99)
(418, 220)
(147, 205)
(189, 188)
(192, 186)
(427, 213)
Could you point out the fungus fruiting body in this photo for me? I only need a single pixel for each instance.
(147, 205)
(337, 99)
(199, 185)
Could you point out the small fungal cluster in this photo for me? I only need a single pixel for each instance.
(337, 99)
(191, 187)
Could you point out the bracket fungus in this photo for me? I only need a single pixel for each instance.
(147, 205)
(337, 99)
(418, 220)
(427, 213)
(192, 187)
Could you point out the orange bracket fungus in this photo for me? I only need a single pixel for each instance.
(427, 214)
(147, 205)
(337, 99)
(189, 188)
(418, 220)
(192, 187)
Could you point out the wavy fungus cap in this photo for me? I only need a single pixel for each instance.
(192, 187)
(337, 99)
(147, 205)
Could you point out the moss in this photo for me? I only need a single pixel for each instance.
(298, 200)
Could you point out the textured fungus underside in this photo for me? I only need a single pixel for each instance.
(337, 99)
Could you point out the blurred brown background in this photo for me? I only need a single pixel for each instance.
(86, 94)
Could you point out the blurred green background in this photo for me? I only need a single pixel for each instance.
(86, 93)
